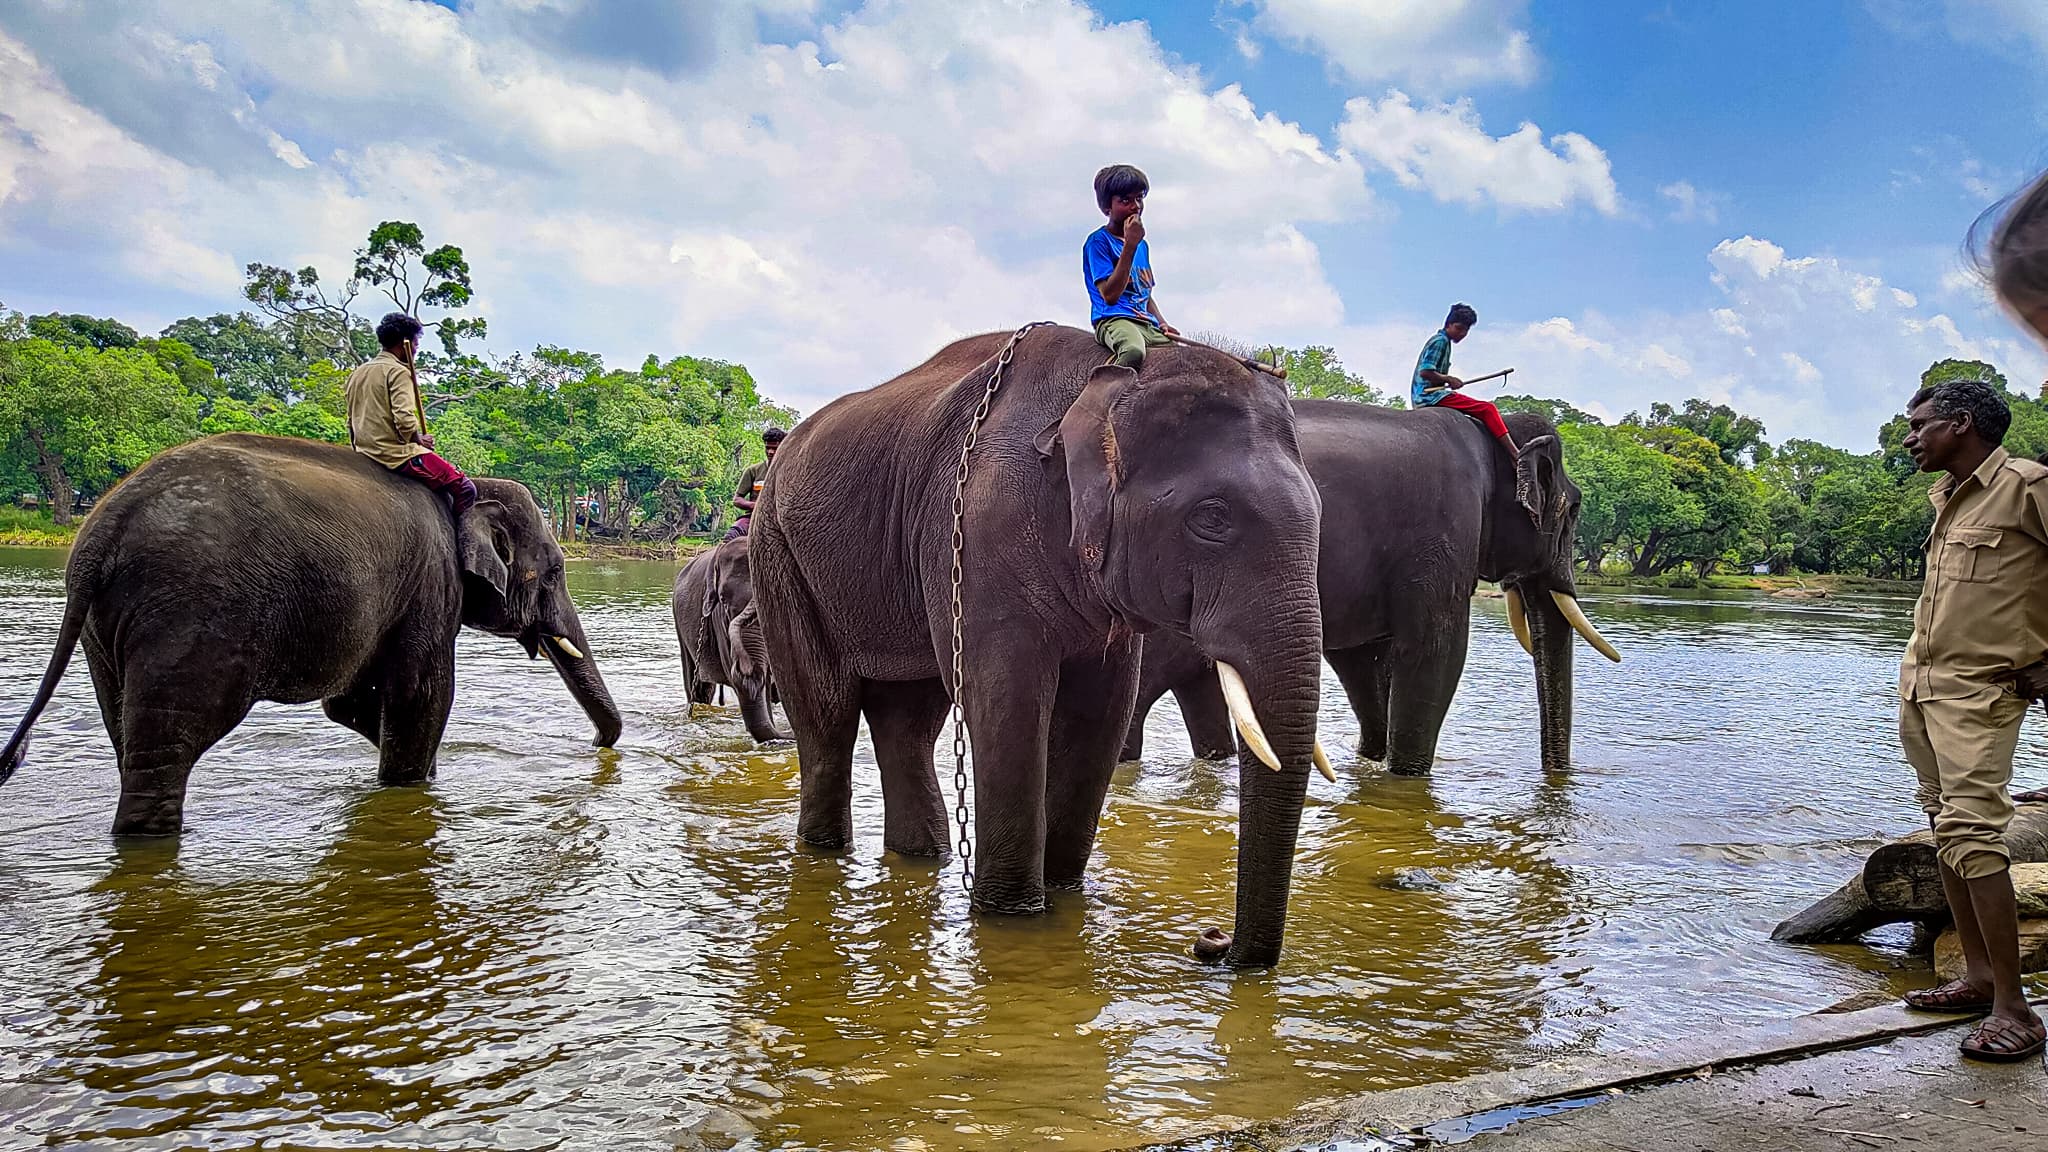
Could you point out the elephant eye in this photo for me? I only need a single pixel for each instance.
(1211, 521)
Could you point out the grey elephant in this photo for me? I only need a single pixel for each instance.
(1099, 503)
(1417, 507)
(240, 568)
(718, 629)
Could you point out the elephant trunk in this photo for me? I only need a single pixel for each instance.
(1281, 670)
(1551, 636)
(579, 672)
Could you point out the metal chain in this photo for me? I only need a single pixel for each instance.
(960, 812)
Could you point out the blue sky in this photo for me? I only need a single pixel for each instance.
(1759, 203)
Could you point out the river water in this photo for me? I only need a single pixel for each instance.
(556, 947)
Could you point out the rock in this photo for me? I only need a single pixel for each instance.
(718, 1129)
(1948, 951)
(1413, 880)
(1800, 594)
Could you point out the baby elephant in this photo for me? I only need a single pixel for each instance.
(720, 635)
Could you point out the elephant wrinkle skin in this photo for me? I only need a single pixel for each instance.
(241, 567)
(1100, 504)
(720, 637)
(1418, 506)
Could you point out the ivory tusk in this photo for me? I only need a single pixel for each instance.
(1518, 619)
(1323, 763)
(567, 647)
(1584, 627)
(1240, 701)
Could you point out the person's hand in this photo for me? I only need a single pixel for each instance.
(2032, 681)
(1453, 383)
(1134, 228)
(425, 440)
(1169, 329)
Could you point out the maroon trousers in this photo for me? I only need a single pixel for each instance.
(437, 473)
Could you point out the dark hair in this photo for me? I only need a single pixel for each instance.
(1987, 410)
(2014, 255)
(1119, 180)
(396, 328)
(773, 435)
(1461, 314)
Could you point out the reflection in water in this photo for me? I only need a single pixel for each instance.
(556, 947)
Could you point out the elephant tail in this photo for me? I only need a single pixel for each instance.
(67, 639)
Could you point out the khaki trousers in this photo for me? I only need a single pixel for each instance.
(1962, 752)
(1127, 340)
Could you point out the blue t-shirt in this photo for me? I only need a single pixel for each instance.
(1436, 357)
(1099, 255)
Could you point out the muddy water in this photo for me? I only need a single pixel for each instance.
(554, 947)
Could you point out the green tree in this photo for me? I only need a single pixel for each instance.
(1739, 438)
(251, 358)
(397, 262)
(1557, 412)
(79, 331)
(77, 417)
(1316, 372)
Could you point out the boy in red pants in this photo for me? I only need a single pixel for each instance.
(384, 415)
(1435, 387)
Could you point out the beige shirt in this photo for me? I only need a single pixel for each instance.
(1983, 611)
(384, 411)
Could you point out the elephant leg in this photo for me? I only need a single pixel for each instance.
(825, 716)
(416, 693)
(359, 710)
(1365, 674)
(164, 731)
(1421, 697)
(1090, 715)
(904, 719)
(1134, 740)
(1009, 705)
(1207, 717)
(107, 686)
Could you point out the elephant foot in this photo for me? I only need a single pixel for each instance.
(1063, 884)
(921, 848)
(404, 777)
(1008, 903)
(1402, 768)
(149, 816)
(823, 844)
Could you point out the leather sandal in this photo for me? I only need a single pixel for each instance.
(2001, 1040)
(1956, 996)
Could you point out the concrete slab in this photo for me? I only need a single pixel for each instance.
(1429, 1114)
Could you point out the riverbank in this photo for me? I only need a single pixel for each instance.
(1803, 584)
(29, 528)
(1873, 1078)
(20, 528)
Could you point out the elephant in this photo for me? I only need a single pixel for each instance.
(1098, 503)
(1417, 507)
(242, 567)
(719, 631)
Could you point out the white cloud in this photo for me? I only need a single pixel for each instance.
(1814, 348)
(1689, 204)
(827, 212)
(1443, 149)
(1429, 45)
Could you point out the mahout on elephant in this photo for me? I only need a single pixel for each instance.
(718, 628)
(1099, 503)
(241, 567)
(1417, 507)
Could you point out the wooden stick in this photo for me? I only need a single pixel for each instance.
(1489, 376)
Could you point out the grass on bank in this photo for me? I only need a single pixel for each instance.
(33, 528)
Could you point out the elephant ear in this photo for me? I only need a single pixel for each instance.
(1537, 474)
(483, 546)
(1087, 437)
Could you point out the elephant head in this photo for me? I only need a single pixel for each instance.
(1190, 509)
(1533, 564)
(514, 585)
(732, 633)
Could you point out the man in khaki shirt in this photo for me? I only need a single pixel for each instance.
(1980, 636)
(387, 423)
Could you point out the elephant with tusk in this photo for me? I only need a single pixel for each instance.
(240, 568)
(1100, 503)
(1417, 507)
(718, 628)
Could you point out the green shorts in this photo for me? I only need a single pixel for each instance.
(1127, 340)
